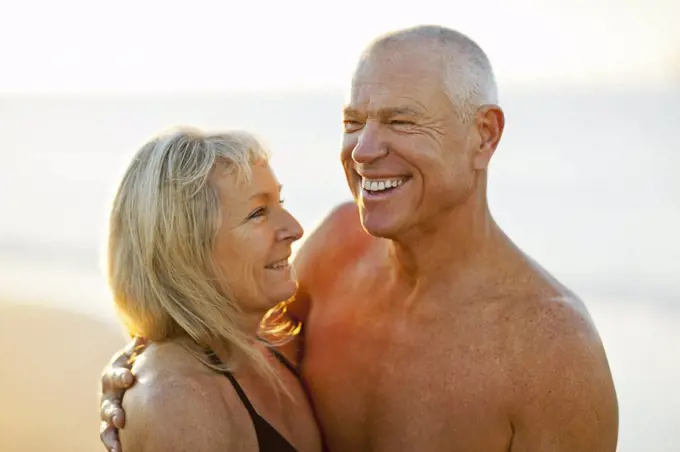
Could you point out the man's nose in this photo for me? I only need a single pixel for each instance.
(370, 145)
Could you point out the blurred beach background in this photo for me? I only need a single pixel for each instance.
(585, 179)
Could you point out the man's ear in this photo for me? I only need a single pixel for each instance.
(490, 122)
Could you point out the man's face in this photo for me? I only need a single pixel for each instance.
(407, 155)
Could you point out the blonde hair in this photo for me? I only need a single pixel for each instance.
(165, 217)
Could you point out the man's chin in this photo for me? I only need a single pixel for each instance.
(379, 227)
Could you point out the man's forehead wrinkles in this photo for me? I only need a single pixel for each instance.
(385, 108)
(385, 91)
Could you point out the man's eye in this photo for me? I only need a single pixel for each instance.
(401, 122)
(351, 125)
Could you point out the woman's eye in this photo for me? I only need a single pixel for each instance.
(258, 213)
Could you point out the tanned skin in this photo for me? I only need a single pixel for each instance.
(426, 327)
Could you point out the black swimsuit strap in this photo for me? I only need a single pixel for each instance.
(283, 360)
(237, 387)
(268, 438)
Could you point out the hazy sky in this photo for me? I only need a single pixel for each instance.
(159, 45)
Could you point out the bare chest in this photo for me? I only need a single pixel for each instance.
(404, 381)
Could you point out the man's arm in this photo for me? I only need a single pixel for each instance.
(566, 400)
(320, 246)
(117, 377)
(177, 413)
(331, 237)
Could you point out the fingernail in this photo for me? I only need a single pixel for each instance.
(116, 420)
(127, 379)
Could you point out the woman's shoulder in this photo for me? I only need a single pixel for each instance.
(171, 358)
(168, 371)
(176, 402)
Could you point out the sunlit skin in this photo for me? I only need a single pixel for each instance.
(178, 402)
(450, 338)
(425, 327)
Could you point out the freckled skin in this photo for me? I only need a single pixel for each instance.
(440, 334)
(425, 327)
(513, 364)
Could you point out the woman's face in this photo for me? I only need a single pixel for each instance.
(254, 240)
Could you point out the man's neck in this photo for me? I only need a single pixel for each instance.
(450, 245)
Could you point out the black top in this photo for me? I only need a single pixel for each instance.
(268, 438)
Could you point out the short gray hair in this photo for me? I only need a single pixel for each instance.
(469, 77)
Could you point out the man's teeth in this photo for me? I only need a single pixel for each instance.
(379, 185)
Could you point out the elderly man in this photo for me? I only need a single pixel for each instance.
(426, 327)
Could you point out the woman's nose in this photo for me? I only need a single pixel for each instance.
(290, 228)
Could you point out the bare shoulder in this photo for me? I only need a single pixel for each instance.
(558, 325)
(564, 392)
(328, 248)
(562, 317)
(340, 228)
(175, 405)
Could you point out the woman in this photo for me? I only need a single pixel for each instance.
(199, 245)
